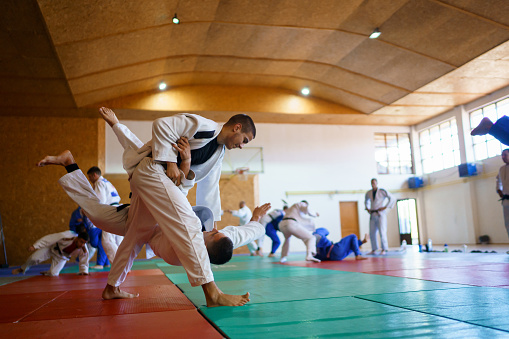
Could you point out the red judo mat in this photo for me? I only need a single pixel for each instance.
(71, 305)
(465, 272)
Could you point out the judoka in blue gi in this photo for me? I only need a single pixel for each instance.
(327, 250)
(499, 129)
(95, 243)
(271, 223)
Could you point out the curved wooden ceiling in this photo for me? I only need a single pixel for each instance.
(63, 57)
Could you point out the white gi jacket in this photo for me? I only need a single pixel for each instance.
(503, 182)
(59, 241)
(298, 211)
(106, 192)
(244, 214)
(165, 132)
(273, 215)
(379, 200)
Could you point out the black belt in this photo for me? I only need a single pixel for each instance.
(58, 249)
(121, 207)
(505, 197)
(289, 219)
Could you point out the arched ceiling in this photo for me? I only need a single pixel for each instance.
(67, 58)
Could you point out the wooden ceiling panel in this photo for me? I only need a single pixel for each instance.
(16, 15)
(425, 112)
(496, 10)
(349, 100)
(395, 66)
(334, 47)
(316, 14)
(19, 86)
(88, 57)
(441, 32)
(161, 69)
(435, 99)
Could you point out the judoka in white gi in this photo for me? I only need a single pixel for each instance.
(157, 199)
(107, 194)
(500, 130)
(244, 214)
(296, 223)
(377, 201)
(59, 247)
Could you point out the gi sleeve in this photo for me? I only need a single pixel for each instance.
(390, 197)
(367, 201)
(245, 234)
(166, 132)
(52, 239)
(126, 137)
(102, 191)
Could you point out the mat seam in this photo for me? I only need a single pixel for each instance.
(38, 308)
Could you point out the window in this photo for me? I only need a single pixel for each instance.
(487, 146)
(440, 147)
(393, 153)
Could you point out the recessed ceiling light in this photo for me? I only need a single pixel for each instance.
(175, 20)
(162, 86)
(305, 91)
(376, 33)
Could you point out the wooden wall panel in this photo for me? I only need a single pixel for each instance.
(32, 204)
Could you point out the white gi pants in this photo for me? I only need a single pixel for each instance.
(506, 217)
(41, 255)
(378, 223)
(291, 227)
(156, 199)
(110, 244)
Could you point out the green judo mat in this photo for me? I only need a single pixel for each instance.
(304, 302)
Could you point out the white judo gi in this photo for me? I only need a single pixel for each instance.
(108, 194)
(378, 220)
(295, 224)
(244, 214)
(52, 247)
(157, 200)
(114, 220)
(503, 185)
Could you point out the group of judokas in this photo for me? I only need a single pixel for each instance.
(60, 247)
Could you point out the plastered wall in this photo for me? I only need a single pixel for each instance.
(32, 204)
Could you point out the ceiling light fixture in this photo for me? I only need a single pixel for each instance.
(376, 33)
(175, 20)
(162, 86)
(305, 91)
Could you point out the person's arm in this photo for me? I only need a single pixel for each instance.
(126, 137)
(391, 200)
(245, 234)
(304, 208)
(500, 187)
(102, 191)
(367, 202)
(52, 239)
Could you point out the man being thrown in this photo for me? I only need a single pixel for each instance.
(114, 219)
(157, 199)
(327, 250)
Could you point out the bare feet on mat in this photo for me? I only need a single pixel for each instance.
(17, 271)
(371, 253)
(360, 257)
(215, 297)
(271, 255)
(108, 115)
(483, 127)
(384, 252)
(112, 292)
(63, 159)
(365, 240)
(311, 258)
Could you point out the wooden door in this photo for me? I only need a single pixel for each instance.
(349, 217)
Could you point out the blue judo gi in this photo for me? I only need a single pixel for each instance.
(500, 130)
(94, 233)
(327, 250)
(271, 230)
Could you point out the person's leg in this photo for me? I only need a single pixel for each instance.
(373, 228)
(57, 264)
(383, 232)
(260, 241)
(110, 245)
(272, 234)
(506, 217)
(252, 247)
(102, 258)
(297, 230)
(283, 227)
(37, 257)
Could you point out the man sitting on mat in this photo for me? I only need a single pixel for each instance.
(326, 250)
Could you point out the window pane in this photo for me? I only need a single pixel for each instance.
(424, 137)
(448, 159)
(382, 168)
(379, 140)
(380, 154)
(480, 151)
(389, 148)
(493, 148)
(490, 112)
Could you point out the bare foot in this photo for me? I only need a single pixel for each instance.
(483, 127)
(283, 259)
(260, 211)
(108, 115)
(360, 257)
(383, 252)
(365, 240)
(215, 297)
(272, 255)
(311, 258)
(17, 271)
(63, 159)
(112, 292)
(371, 253)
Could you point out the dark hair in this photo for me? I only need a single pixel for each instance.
(221, 251)
(81, 228)
(94, 169)
(507, 149)
(305, 201)
(246, 122)
(374, 179)
(83, 235)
